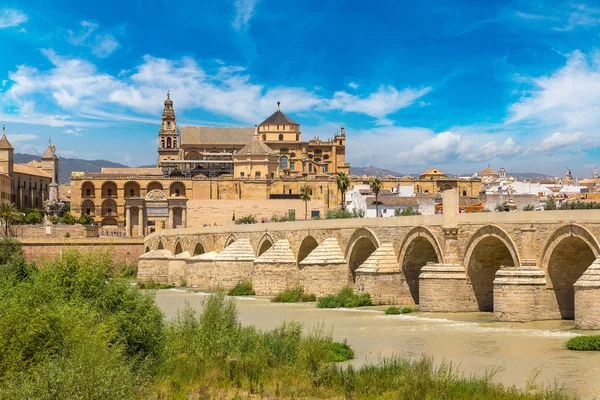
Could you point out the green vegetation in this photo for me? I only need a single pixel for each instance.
(376, 185)
(345, 298)
(248, 219)
(500, 208)
(242, 289)
(68, 219)
(529, 207)
(407, 212)
(305, 195)
(33, 218)
(342, 181)
(85, 220)
(73, 330)
(280, 218)
(155, 285)
(339, 213)
(8, 215)
(294, 295)
(580, 205)
(550, 204)
(393, 310)
(584, 343)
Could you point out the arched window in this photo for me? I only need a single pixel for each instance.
(464, 192)
(168, 143)
(280, 137)
(162, 143)
(168, 124)
(283, 162)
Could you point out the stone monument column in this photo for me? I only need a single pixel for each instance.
(128, 230)
(141, 221)
(184, 217)
(170, 224)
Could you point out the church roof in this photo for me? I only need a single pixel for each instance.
(279, 118)
(488, 172)
(4, 143)
(255, 147)
(215, 135)
(28, 170)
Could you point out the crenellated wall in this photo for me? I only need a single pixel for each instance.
(521, 265)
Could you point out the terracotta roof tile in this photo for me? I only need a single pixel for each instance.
(28, 170)
(215, 135)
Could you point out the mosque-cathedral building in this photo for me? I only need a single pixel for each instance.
(268, 161)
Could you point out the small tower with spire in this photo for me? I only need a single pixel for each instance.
(6, 154)
(168, 135)
(50, 162)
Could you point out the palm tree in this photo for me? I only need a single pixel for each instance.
(305, 195)
(342, 181)
(8, 213)
(376, 186)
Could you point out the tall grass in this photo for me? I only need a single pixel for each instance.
(243, 288)
(345, 298)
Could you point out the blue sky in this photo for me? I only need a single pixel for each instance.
(451, 84)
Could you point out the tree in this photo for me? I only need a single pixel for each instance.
(342, 181)
(305, 195)
(550, 204)
(33, 218)
(8, 214)
(376, 186)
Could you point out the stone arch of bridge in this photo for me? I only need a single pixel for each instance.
(489, 249)
(265, 243)
(361, 245)
(230, 239)
(419, 247)
(199, 249)
(308, 244)
(178, 247)
(147, 249)
(570, 250)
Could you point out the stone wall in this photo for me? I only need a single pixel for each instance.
(491, 201)
(220, 212)
(54, 231)
(124, 250)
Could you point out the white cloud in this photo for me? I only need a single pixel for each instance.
(353, 85)
(74, 131)
(558, 141)
(449, 147)
(20, 137)
(244, 11)
(568, 99)
(85, 95)
(101, 44)
(379, 104)
(566, 16)
(67, 153)
(10, 18)
(104, 45)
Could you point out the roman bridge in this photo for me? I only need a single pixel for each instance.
(521, 265)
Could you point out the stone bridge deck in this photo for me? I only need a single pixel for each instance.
(522, 265)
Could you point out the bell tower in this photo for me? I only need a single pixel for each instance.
(168, 135)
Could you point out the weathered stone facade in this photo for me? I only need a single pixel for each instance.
(521, 265)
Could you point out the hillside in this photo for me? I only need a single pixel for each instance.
(373, 171)
(67, 165)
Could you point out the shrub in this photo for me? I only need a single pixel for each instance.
(500, 208)
(408, 211)
(68, 219)
(339, 352)
(294, 295)
(393, 310)
(54, 219)
(242, 289)
(151, 285)
(584, 343)
(345, 298)
(85, 220)
(550, 204)
(279, 218)
(406, 310)
(248, 219)
(339, 213)
(529, 207)
(33, 218)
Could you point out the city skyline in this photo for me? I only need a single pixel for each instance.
(457, 87)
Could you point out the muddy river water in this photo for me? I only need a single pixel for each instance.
(472, 341)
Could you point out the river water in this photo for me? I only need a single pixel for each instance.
(472, 341)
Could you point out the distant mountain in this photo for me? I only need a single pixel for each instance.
(521, 176)
(373, 171)
(68, 165)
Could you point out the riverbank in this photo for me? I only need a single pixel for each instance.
(473, 341)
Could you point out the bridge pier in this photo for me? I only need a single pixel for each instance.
(443, 288)
(324, 271)
(275, 270)
(587, 298)
(520, 294)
